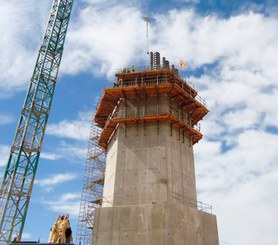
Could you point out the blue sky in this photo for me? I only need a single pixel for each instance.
(230, 48)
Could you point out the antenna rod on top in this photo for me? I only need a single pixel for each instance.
(148, 21)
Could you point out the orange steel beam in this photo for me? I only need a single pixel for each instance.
(112, 124)
(172, 89)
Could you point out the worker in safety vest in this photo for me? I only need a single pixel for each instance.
(133, 68)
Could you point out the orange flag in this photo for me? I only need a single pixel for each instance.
(182, 64)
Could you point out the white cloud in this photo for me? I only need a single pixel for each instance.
(6, 119)
(240, 184)
(26, 236)
(243, 206)
(241, 119)
(20, 35)
(70, 129)
(236, 171)
(56, 179)
(66, 203)
(73, 151)
(4, 154)
(188, 1)
(69, 196)
(76, 129)
(97, 40)
(50, 156)
(204, 40)
(253, 154)
(49, 183)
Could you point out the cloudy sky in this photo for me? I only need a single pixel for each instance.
(230, 49)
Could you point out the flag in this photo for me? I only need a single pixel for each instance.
(182, 64)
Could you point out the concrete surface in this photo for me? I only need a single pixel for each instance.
(154, 224)
(149, 193)
(147, 164)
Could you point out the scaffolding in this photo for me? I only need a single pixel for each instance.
(185, 111)
(92, 192)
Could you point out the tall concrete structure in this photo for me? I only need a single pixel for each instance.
(150, 124)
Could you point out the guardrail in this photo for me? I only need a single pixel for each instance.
(192, 203)
(155, 81)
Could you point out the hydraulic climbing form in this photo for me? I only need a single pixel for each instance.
(18, 180)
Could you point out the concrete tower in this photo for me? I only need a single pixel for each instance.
(150, 124)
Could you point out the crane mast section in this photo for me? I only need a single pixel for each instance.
(17, 184)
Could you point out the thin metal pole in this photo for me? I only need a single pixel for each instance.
(148, 21)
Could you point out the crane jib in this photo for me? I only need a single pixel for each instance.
(19, 176)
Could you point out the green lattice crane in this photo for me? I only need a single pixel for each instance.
(19, 176)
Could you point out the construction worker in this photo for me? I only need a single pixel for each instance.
(133, 68)
(16, 240)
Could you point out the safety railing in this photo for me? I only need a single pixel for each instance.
(192, 203)
(135, 198)
(187, 86)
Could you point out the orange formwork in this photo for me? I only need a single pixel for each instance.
(147, 84)
(112, 124)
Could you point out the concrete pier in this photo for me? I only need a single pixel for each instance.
(149, 195)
